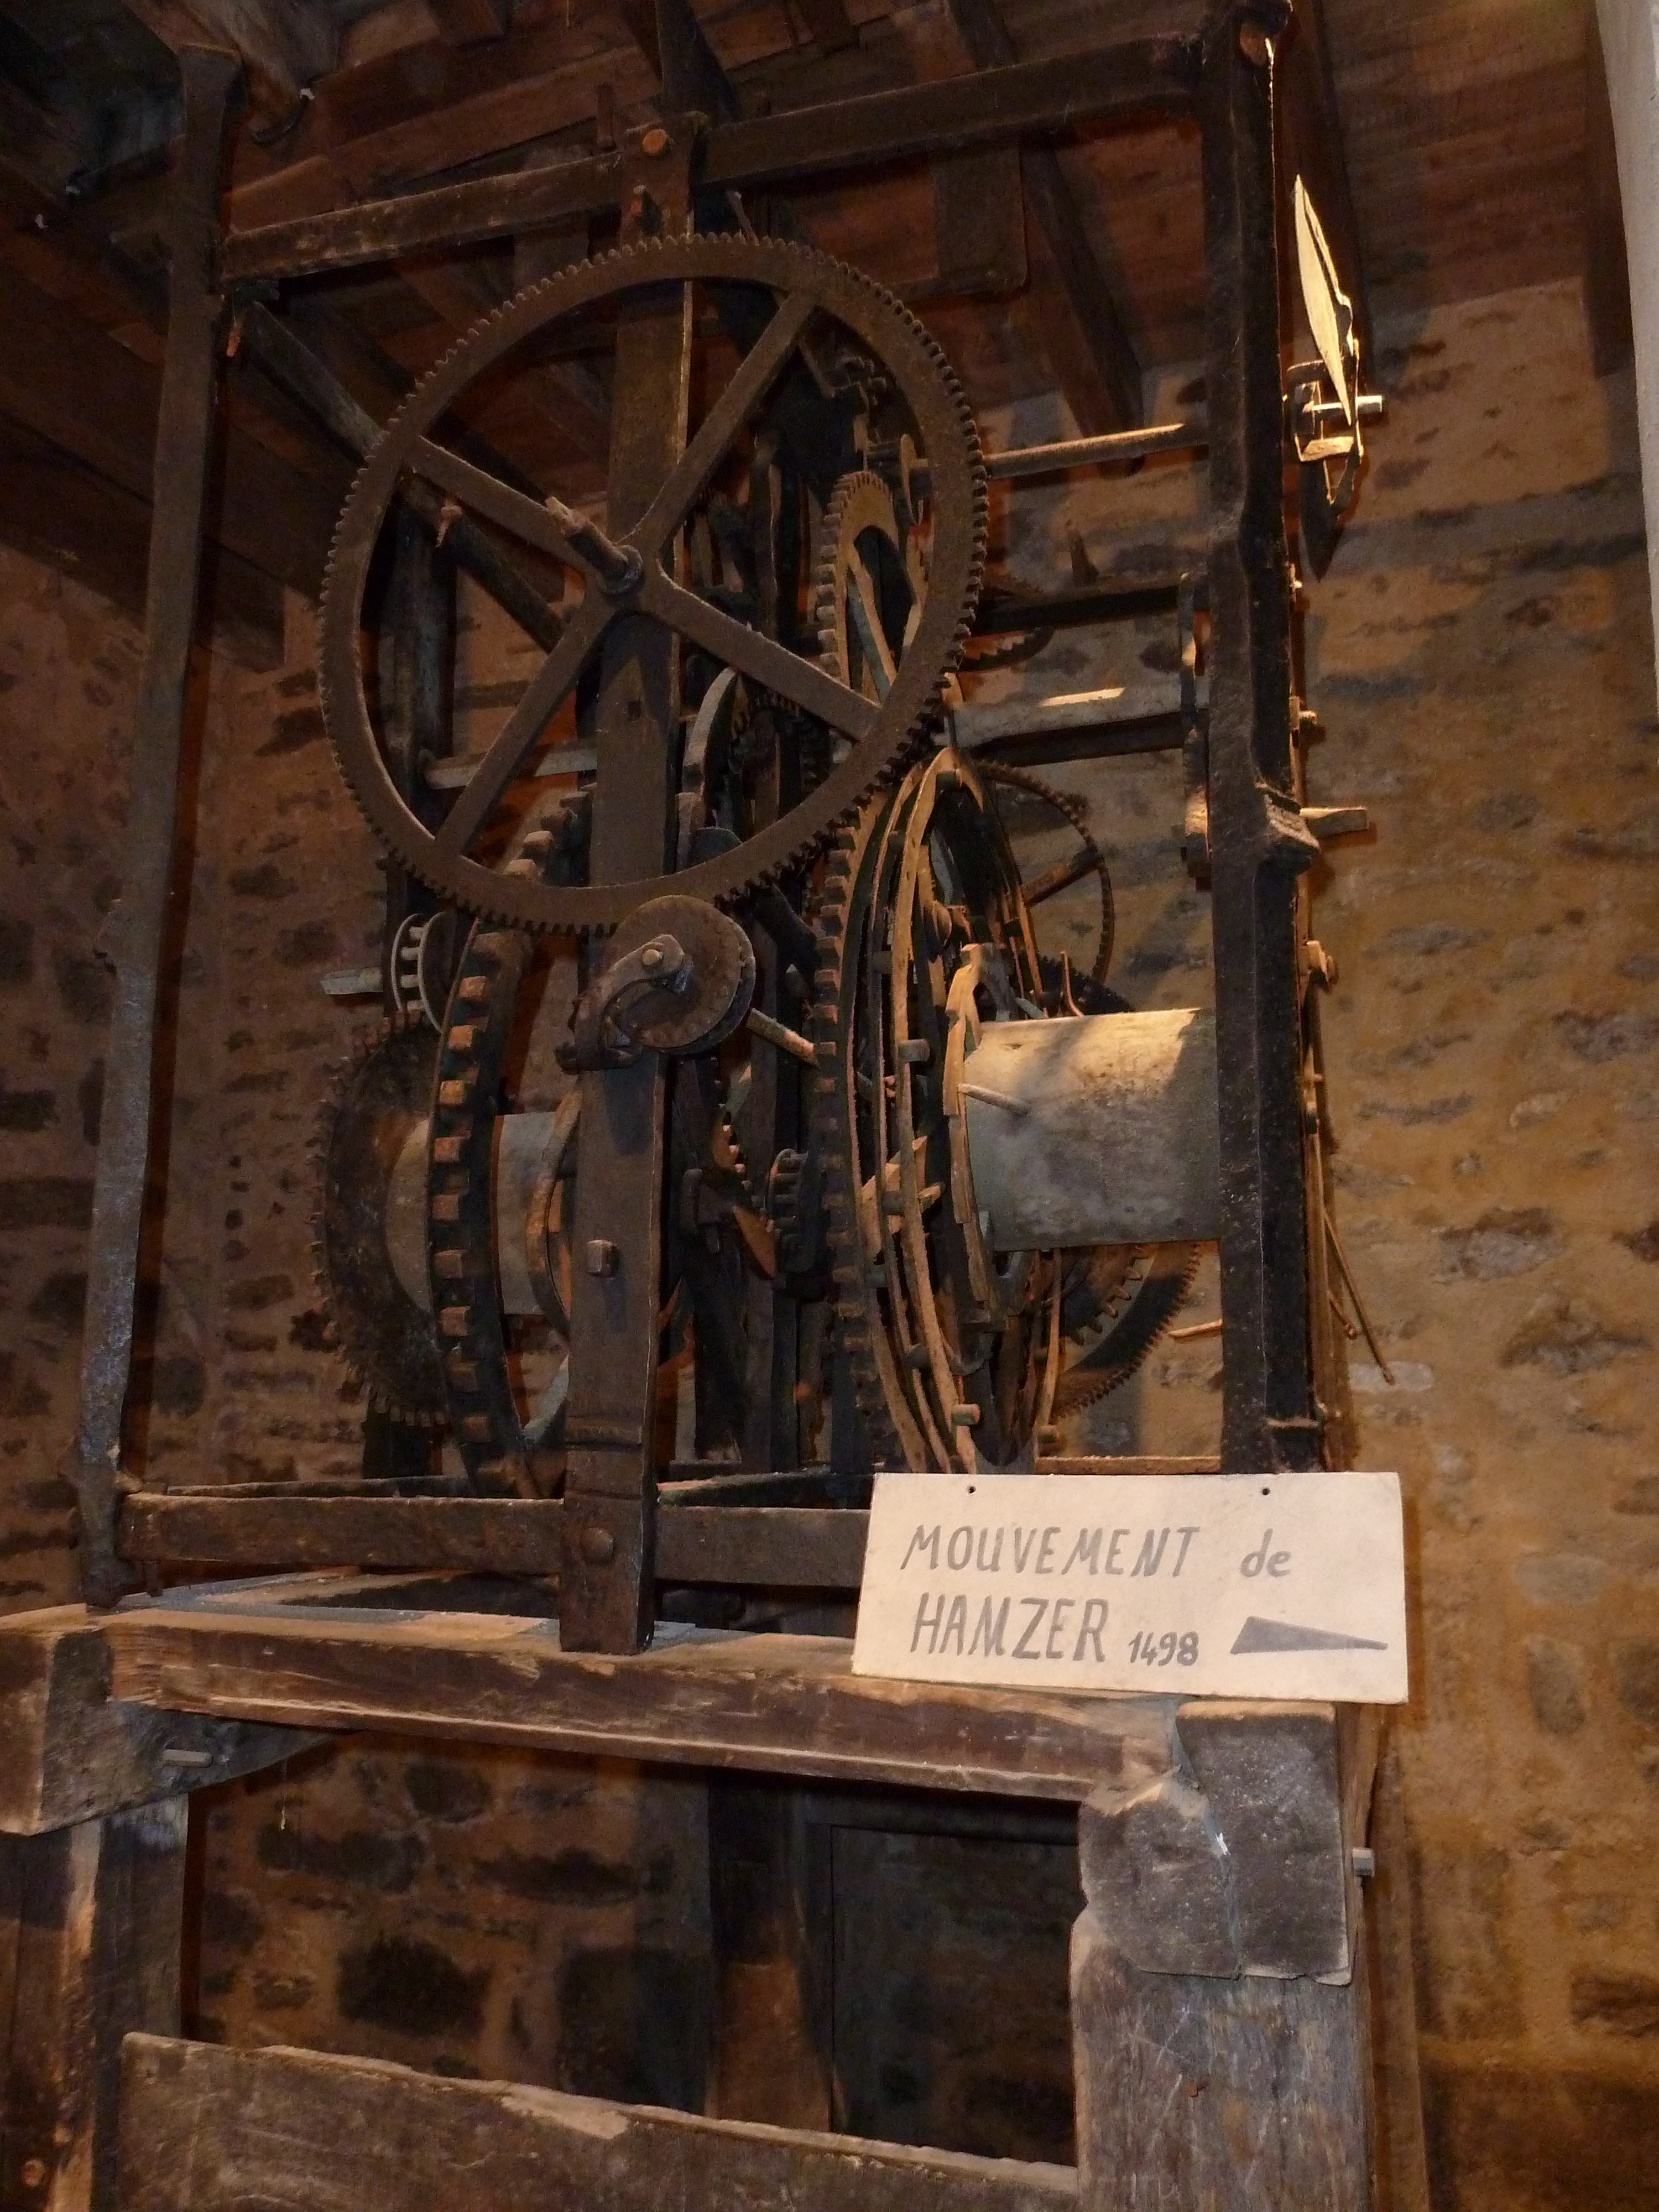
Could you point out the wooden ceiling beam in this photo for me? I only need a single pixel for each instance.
(71, 384)
(285, 45)
(464, 22)
(66, 515)
(1095, 358)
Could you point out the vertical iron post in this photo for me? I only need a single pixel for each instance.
(182, 447)
(605, 1590)
(1258, 843)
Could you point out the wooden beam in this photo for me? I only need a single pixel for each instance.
(73, 1754)
(284, 45)
(803, 1547)
(1607, 264)
(202, 2125)
(91, 1926)
(787, 1704)
(464, 22)
(913, 123)
(69, 382)
(832, 28)
(58, 511)
(1099, 369)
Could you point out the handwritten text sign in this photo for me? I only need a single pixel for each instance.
(1238, 1586)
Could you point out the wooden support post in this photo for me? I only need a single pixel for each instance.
(74, 1751)
(92, 1820)
(611, 1489)
(91, 1920)
(183, 446)
(1219, 1998)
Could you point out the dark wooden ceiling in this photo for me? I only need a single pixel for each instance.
(1464, 122)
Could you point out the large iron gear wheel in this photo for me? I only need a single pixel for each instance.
(469, 1059)
(923, 402)
(955, 1354)
(374, 1104)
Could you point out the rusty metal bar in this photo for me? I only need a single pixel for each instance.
(1258, 842)
(1092, 452)
(183, 445)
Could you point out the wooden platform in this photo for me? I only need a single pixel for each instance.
(311, 1652)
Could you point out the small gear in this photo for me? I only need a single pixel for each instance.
(1088, 860)
(1114, 1314)
(868, 585)
(375, 1107)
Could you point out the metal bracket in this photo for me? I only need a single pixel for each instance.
(602, 1036)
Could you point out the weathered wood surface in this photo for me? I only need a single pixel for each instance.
(207, 2129)
(91, 1920)
(1238, 1860)
(779, 1704)
(909, 122)
(67, 381)
(793, 1547)
(1402, 2178)
(1232, 2095)
(72, 1751)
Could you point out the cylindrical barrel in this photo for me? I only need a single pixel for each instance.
(1097, 1131)
(521, 1142)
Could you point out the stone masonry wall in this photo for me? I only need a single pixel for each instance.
(1481, 659)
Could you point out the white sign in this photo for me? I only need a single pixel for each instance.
(1237, 1586)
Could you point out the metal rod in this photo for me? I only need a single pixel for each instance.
(786, 1040)
(183, 438)
(1090, 453)
(1383, 1368)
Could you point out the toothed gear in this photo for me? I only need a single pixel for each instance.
(1116, 1313)
(954, 1358)
(471, 1055)
(375, 1105)
(868, 585)
(1089, 861)
(923, 390)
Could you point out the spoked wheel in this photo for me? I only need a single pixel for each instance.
(818, 345)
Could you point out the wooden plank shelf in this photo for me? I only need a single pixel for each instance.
(324, 2134)
(280, 1652)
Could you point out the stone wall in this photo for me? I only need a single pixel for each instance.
(1481, 657)
(68, 665)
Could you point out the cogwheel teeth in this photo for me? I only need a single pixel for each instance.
(939, 411)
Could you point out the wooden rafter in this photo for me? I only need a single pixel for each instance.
(1095, 359)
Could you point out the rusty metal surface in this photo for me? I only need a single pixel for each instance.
(651, 828)
(125, 1154)
(612, 626)
(1258, 844)
(1096, 1131)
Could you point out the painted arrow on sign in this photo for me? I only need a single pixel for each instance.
(1259, 1635)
